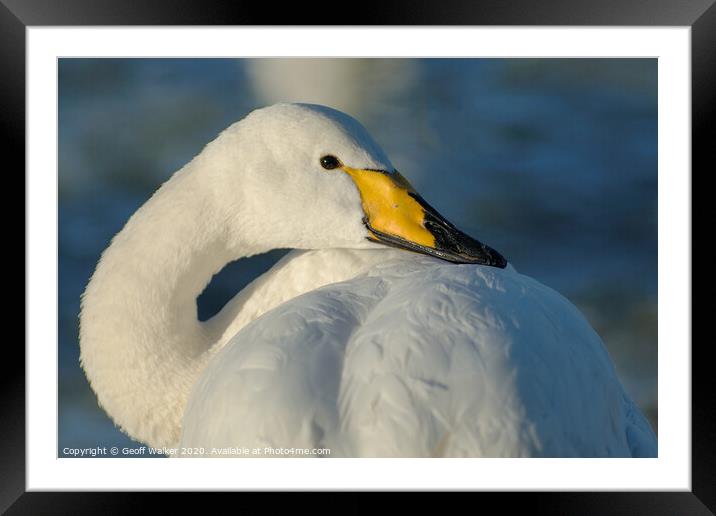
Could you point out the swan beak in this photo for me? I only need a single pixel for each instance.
(396, 215)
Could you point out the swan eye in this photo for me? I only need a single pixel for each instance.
(330, 162)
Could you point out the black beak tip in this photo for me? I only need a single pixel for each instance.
(493, 258)
(461, 248)
(482, 256)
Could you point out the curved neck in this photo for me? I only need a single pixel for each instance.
(142, 345)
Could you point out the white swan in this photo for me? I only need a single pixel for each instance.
(344, 344)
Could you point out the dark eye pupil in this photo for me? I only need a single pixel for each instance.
(330, 162)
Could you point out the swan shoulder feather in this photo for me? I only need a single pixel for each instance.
(416, 357)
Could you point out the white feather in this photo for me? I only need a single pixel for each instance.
(417, 357)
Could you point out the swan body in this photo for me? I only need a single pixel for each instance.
(415, 357)
(344, 344)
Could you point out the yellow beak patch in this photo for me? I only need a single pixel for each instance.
(389, 207)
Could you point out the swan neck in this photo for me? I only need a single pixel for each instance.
(142, 345)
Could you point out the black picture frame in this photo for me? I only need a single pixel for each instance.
(700, 15)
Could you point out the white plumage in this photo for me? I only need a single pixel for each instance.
(418, 358)
(365, 350)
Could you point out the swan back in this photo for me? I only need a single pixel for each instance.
(419, 358)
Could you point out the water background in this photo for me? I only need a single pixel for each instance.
(551, 161)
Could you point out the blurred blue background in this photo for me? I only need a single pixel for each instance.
(551, 161)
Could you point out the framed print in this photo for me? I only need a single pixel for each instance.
(554, 142)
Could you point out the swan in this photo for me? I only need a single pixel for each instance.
(385, 332)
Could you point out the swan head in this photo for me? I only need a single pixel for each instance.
(312, 177)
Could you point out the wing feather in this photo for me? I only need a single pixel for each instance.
(419, 358)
